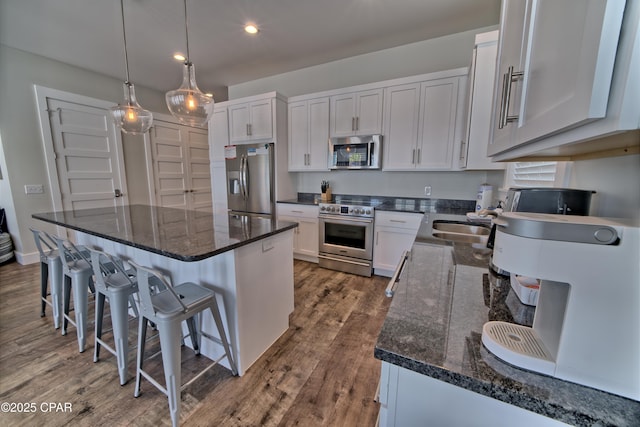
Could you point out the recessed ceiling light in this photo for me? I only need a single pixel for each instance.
(251, 28)
(179, 57)
(209, 94)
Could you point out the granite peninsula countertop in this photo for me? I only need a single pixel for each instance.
(176, 233)
(434, 327)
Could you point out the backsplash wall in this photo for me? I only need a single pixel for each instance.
(444, 185)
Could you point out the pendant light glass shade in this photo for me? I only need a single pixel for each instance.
(129, 116)
(187, 103)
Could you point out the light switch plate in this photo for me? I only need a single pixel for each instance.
(34, 189)
(427, 190)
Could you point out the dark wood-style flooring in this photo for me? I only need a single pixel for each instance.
(321, 372)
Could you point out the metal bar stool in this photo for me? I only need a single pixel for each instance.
(112, 282)
(50, 272)
(76, 275)
(167, 309)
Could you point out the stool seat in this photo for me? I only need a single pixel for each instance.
(195, 297)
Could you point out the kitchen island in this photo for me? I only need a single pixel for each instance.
(435, 368)
(248, 260)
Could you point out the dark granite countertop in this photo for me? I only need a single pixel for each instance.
(434, 326)
(393, 204)
(176, 233)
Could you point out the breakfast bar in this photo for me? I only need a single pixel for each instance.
(246, 259)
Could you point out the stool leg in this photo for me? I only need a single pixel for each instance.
(119, 303)
(80, 302)
(44, 277)
(223, 336)
(170, 334)
(142, 339)
(67, 298)
(55, 277)
(193, 334)
(98, 325)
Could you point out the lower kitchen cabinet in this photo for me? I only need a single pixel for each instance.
(409, 399)
(306, 236)
(394, 233)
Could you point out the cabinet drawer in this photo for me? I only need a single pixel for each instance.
(303, 211)
(407, 220)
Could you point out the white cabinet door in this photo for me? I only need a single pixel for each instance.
(308, 135)
(298, 135)
(473, 153)
(436, 132)
(251, 121)
(395, 233)
(401, 117)
(307, 234)
(357, 113)
(566, 58)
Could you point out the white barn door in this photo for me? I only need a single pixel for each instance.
(83, 150)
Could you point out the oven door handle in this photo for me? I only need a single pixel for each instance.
(338, 219)
(396, 276)
(330, 258)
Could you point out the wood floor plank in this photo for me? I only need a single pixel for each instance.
(321, 372)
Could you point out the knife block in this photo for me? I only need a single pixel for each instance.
(326, 196)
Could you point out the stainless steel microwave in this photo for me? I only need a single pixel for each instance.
(355, 152)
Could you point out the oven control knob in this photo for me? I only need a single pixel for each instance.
(368, 212)
(322, 208)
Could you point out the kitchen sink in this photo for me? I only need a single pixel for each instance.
(460, 232)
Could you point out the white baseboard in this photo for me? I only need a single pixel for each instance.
(30, 258)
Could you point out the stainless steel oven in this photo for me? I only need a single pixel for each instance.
(346, 238)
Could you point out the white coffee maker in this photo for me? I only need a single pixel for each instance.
(586, 327)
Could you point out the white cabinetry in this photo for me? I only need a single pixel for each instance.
(563, 73)
(218, 138)
(395, 233)
(420, 124)
(409, 399)
(473, 149)
(308, 134)
(306, 236)
(251, 121)
(358, 113)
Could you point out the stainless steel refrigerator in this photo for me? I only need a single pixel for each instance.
(250, 178)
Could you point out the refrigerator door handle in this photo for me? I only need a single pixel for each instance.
(243, 176)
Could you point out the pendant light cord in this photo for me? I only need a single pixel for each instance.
(186, 30)
(124, 38)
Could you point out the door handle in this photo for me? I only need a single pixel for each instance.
(508, 79)
(117, 193)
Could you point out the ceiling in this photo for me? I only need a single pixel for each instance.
(293, 33)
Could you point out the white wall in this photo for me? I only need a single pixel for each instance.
(616, 182)
(20, 131)
(427, 56)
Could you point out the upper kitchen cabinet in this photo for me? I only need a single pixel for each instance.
(566, 78)
(252, 119)
(308, 134)
(422, 121)
(473, 148)
(358, 113)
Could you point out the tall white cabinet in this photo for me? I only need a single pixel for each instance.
(308, 121)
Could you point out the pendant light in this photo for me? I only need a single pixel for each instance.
(187, 103)
(129, 116)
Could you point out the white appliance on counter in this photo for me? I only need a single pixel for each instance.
(586, 327)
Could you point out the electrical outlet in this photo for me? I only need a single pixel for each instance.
(427, 190)
(34, 189)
